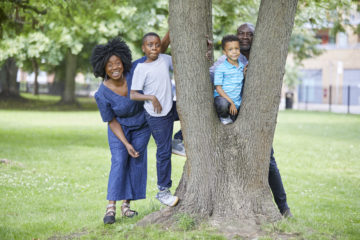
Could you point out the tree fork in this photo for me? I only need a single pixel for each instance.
(225, 177)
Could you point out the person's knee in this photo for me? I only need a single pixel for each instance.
(222, 102)
(221, 105)
(164, 154)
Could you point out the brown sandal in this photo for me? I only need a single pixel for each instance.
(110, 214)
(127, 212)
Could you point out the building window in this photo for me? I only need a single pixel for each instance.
(342, 39)
(351, 87)
(310, 89)
(325, 37)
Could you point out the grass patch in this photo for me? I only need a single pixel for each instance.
(43, 102)
(185, 222)
(54, 185)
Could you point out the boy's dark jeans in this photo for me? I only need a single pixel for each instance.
(161, 129)
(222, 108)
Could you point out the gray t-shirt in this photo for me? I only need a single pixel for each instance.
(154, 79)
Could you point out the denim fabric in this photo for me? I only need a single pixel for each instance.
(276, 184)
(127, 112)
(161, 129)
(127, 179)
(177, 135)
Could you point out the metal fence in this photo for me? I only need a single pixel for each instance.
(345, 99)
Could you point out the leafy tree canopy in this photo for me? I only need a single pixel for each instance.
(46, 30)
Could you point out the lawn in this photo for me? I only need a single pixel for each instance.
(53, 183)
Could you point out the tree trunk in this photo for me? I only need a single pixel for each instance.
(68, 96)
(57, 87)
(225, 178)
(9, 86)
(36, 72)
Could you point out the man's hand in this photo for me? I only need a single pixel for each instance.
(156, 104)
(245, 70)
(132, 152)
(233, 110)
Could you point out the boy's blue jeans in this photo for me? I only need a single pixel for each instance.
(161, 129)
(177, 135)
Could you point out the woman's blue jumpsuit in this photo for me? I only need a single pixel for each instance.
(127, 179)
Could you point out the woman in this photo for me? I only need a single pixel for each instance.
(128, 133)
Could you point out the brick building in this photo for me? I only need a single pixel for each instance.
(334, 76)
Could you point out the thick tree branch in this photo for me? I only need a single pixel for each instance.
(23, 5)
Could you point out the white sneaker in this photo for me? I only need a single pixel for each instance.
(226, 121)
(166, 198)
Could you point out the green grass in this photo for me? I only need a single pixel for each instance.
(46, 103)
(55, 184)
(318, 156)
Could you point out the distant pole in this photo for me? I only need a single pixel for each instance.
(330, 88)
(348, 100)
(306, 97)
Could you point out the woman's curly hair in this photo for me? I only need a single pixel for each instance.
(101, 54)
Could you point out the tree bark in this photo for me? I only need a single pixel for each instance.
(57, 87)
(9, 86)
(36, 72)
(225, 177)
(68, 96)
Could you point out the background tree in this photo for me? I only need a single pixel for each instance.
(73, 32)
(225, 179)
(14, 16)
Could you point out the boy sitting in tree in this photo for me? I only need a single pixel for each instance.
(228, 81)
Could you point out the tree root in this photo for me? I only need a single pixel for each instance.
(230, 227)
(163, 217)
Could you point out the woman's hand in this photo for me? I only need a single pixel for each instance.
(233, 110)
(132, 152)
(119, 133)
(156, 104)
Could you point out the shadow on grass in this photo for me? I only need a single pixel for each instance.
(29, 102)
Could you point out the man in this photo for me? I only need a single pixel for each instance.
(245, 33)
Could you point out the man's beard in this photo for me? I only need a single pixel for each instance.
(245, 48)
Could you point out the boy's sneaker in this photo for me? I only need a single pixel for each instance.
(166, 198)
(226, 120)
(178, 147)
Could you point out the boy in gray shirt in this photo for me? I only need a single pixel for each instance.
(153, 78)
